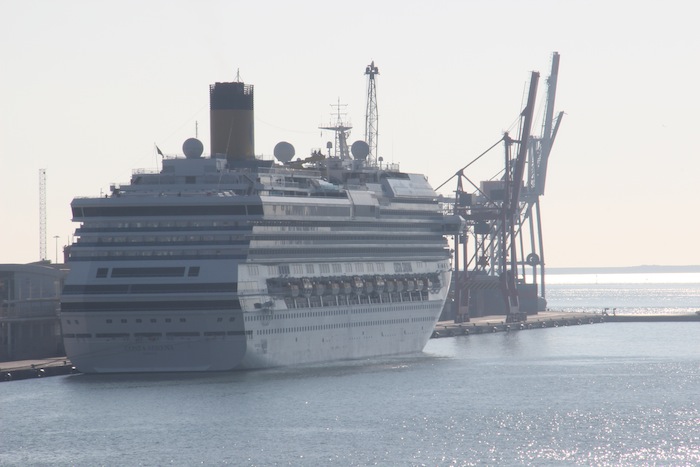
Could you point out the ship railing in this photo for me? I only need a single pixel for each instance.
(356, 187)
(287, 170)
(145, 171)
(282, 184)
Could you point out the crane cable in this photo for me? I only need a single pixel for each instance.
(466, 166)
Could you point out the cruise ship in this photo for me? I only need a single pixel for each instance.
(232, 262)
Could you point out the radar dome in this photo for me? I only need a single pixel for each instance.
(360, 150)
(192, 148)
(284, 152)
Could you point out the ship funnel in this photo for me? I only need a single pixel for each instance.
(231, 121)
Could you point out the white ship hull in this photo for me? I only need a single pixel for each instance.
(216, 341)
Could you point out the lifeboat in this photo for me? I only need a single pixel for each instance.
(419, 285)
(357, 284)
(428, 284)
(346, 287)
(335, 288)
(307, 287)
(294, 289)
(379, 284)
(319, 288)
(369, 286)
(400, 286)
(390, 285)
(410, 285)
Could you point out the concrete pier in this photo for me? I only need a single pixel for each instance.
(497, 323)
(25, 369)
(615, 318)
(545, 319)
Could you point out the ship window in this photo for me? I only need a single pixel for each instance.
(123, 321)
(102, 272)
(359, 267)
(193, 271)
(218, 320)
(310, 269)
(348, 267)
(109, 321)
(138, 320)
(284, 269)
(231, 319)
(337, 268)
(190, 179)
(168, 320)
(148, 272)
(407, 267)
(370, 267)
(298, 269)
(397, 267)
(182, 320)
(253, 269)
(325, 268)
(153, 320)
(255, 209)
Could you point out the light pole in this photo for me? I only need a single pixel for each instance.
(56, 238)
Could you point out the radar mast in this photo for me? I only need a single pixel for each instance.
(371, 115)
(342, 132)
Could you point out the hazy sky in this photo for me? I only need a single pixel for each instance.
(87, 88)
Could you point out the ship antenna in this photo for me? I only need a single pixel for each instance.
(372, 115)
(342, 131)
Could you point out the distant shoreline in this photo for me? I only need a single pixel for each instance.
(625, 270)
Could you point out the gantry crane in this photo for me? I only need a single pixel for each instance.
(504, 226)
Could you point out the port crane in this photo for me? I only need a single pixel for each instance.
(503, 234)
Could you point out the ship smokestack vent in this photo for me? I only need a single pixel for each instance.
(231, 121)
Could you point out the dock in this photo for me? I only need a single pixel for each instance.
(497, 323)
(39, 368)
(547, 319)
(676, 318)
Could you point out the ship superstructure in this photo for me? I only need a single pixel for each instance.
(231, 262)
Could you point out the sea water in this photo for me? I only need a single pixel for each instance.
(594, 394)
